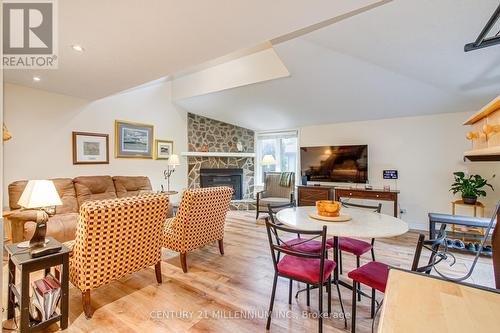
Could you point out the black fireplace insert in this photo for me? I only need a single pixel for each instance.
(223, 177)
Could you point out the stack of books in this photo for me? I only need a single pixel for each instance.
(46, 295)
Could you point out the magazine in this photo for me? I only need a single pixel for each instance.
(46, 295)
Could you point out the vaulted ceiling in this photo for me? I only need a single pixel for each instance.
(130, 42)
(382, 59)
(404, 58)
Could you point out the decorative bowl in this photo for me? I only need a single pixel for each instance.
(328, 208)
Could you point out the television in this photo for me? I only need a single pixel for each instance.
(340, 164)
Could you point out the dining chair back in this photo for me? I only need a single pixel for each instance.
(432, 245)
(310, 245)
(375, 274)
(272, 209)
(356, 246)
(375, 209)
(278, 242)
(291, 260)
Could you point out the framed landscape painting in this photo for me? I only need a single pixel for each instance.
(164, 149)
(90, 148)
(133, 140)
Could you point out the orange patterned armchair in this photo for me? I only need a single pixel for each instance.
(114, 238)
(200, 221)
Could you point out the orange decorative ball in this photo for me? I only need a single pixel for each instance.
(328, 208)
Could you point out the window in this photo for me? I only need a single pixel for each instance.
(283, 148)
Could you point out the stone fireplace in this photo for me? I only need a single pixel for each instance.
(219, 137)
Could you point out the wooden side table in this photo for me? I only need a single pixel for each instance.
(478, 207)
(19, 258)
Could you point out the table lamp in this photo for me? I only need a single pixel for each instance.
(39, 195)
(173, 161)
(268, 160)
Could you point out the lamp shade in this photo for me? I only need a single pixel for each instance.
(38, 194)
(173, 160)
(268, 160)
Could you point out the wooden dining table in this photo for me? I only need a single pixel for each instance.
(363, 224)
(416, 303)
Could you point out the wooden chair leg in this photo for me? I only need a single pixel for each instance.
(184, 262)
(373, 254)
(87, 308)
(158, 272)
(221, 247)
(290, 291)
(353, 310)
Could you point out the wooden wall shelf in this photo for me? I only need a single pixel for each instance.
(485, 133)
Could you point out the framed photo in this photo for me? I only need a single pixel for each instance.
(163, 149)
(133, 140)
(90, 148)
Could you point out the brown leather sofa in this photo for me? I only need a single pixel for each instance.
(73, 192)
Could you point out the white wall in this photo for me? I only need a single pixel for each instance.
(41, 124)
(425, 150)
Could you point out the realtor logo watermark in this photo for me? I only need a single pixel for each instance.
(29, 34)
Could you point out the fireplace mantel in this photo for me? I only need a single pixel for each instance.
(215, 154)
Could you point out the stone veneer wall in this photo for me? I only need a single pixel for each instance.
(219, 137)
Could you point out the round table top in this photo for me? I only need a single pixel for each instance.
(364, 224)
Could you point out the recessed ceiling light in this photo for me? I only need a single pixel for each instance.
(77, 48)
(37, 78)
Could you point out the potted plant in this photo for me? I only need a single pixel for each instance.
(470, 187)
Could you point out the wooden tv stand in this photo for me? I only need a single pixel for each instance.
(374, 194)
(307, 195)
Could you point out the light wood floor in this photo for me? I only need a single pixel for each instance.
(218, 291)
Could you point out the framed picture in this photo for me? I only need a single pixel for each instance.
(90, 148)
(163, 149)
(133, 140)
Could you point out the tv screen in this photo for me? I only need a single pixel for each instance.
(343, 164)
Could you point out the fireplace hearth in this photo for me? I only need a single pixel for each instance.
(212, 177)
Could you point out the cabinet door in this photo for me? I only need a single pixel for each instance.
(309, 196)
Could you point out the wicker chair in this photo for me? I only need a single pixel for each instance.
(114, 238)
(274, 194)
(199, 221)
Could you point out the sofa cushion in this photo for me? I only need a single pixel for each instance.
(128, 186)
(61, 226)
(64, 187)
(94, 188)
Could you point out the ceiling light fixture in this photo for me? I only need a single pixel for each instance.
(37, 79)
(77, 48)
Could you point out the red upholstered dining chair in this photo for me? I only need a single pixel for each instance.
(356, 246)
(374, 274)
(313, 269)
(300, 244)
(311, 246)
